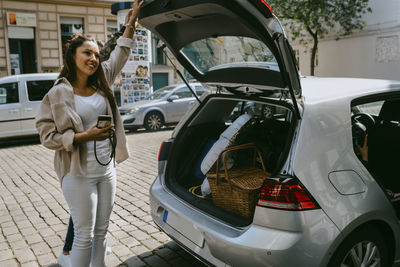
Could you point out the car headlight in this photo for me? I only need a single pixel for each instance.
(134, 109)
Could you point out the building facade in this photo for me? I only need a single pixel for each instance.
(373, 52)
(33, 33)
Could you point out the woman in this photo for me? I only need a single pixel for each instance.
(105, 51)
(67, 123)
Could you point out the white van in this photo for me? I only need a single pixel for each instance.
(20, 97)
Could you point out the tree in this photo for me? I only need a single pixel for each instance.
(316, 18)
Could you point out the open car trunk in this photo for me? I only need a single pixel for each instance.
(238, 45)
(227, 41)
(271, 128)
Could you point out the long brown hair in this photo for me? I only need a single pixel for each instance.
(96, 80)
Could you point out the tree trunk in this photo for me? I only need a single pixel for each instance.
(313, 51)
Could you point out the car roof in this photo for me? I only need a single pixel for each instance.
(183, 84)
(322, 90)
(30, 76)
(180, 85)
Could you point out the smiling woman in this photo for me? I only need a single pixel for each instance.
(67, 123)
(82, 61)
(87, 58)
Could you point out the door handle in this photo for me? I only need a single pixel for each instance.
(27, 109)
(13, 111)
(191, 102)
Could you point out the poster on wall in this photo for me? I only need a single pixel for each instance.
(14, 63)
(135, 78)
(134, 82)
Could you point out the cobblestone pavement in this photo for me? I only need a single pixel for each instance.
(34, 214)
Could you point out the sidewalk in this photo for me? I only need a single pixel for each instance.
(34, 214)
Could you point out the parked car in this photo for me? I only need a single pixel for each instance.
(165, 106)
(319, 205)
(20, 97)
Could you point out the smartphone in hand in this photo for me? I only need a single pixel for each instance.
(103, 121)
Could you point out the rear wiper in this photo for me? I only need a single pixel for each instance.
(162, 46)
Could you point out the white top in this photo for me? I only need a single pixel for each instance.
(89, 108)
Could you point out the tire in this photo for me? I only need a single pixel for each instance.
(365, 243)
(153, 121)
(268, 112)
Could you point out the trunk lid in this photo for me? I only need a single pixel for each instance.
(228, 42)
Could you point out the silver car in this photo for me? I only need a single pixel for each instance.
(165, 106)
(324, 201)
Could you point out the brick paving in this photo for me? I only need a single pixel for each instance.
(34, 214)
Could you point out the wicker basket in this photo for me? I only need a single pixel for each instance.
(237, 190)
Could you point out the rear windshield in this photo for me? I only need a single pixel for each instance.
(229, 51)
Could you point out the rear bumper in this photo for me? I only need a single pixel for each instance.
(219, 244)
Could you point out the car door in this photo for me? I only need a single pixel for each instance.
(35, 90)
(178, 104)
(377, 122)
(10, 109)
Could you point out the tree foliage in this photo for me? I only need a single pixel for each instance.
(317, 18)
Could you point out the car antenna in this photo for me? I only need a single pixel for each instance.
(162, 46)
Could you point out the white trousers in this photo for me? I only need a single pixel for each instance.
(90, 200)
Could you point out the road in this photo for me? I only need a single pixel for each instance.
(34, 213)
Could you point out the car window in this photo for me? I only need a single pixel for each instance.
(218, 52)
(200, 90)
(370, 108)
(375, 134)
(37, 89)
(9, 93)
(160, 93)
(183, 92)
(258, 110)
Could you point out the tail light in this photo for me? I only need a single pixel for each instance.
(268, 6)
(263, 7)
(286, 193)
(159, 150)
(164, 150)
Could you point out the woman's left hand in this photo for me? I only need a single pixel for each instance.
(131, 18)
(133, 13)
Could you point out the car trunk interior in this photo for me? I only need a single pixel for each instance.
(271, 128)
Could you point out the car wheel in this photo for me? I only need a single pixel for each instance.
(365, 247)
(268, 112)
(153, 121)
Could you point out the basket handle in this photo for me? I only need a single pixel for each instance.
(233, 148)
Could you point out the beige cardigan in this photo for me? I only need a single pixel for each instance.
(57, 120)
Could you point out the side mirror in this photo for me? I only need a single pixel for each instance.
(172, 98)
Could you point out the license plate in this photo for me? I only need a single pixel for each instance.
(165, 216)
(184, 227)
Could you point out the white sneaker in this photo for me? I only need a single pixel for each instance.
(64, 260)
(108, 250)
